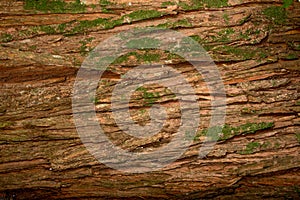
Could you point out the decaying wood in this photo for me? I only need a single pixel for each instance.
(42, 155)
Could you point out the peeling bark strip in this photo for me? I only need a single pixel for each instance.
(255, 45)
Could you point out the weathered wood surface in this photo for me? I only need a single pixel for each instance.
(42, 155)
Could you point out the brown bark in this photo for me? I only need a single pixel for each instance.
(42, 155)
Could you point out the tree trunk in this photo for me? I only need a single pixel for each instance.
(255, 45)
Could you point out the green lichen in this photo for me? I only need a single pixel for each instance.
(5, 125)
(298, 136)
(226, 18)
(105, 3)
(149, 97)
(265, 145)
(197, 4)
(33, 47)
(244, 53)
(223, 35)
(54, 6)
(143, 14)
(141, 57)
(215, 3)
(83, 26)
(184, 23)
(48, 29)
(197, 38)
(149, 57)
(84, 49)
(291, 56)
(277, 14)
(124, 58)
(108, 23)
(167, 3)
(245, 19)
(287, 3)
(191, 6)
(61, 27)
(262, 54)
(94, 100)
(143, 43)
(6, 37)
(226, 132)
(250, 148)
(254, 146)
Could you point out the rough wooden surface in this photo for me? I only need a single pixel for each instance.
(42, 155)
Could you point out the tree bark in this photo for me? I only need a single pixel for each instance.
(255, 50)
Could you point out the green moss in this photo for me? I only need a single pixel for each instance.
(250, 148)
(149, 57)
(94, 100)
(298, 136)
(79, 27)
(276, 145)
(105, 3)
(187, 45)
(124, 58)
(48, 29)
(61, 27)
(180, 23)
(276, 13)
(291, 56)
(188, 136)
(84, 49)
(143, 111)
(244, 53)
(173, 56)
(104, 61)
(85, 25)
(297, 103)
(297, 190)
(224, 35)
(33, 47)
(226, 18)
(215, 3)
(149, 97)
(6, 37)
(213, 133)
(245, 19)
(197, 38)
(244, 36)
(144, 14)
(265, 145)
(253, 127)
(287, 3)
(5, 125)
(167, 3)
(227, 131)
(105, 10)
(262, 54)
(54, 6)
(107, 23)
(142, 56)
(197, 4)
(143, 43)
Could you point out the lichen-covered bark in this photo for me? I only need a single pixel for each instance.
(256, 51)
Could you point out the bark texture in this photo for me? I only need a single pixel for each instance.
(255, 45)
